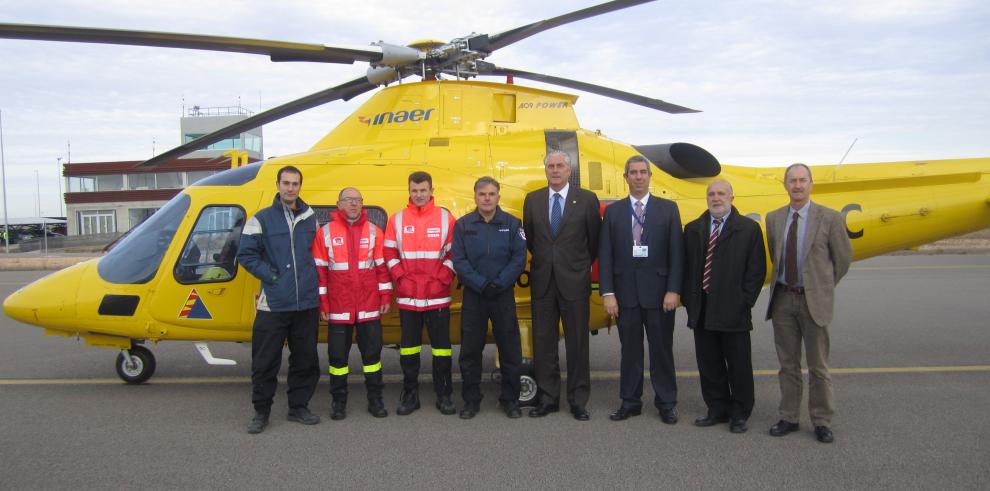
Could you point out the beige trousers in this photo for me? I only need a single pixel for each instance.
(792, 323)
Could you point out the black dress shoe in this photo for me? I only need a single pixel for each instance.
(470, 410)
(580, 413)
(624, 413)
(543, 410)
(668, 415)
(338, 410)
(710, 420)
(738, 426)
(512, 410)
(824, 434)
(781, 428)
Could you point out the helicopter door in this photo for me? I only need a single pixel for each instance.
(566, 141)
(205, 289)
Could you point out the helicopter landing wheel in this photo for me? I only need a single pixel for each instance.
(135, 365)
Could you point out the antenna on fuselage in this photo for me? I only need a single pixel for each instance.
(843, 159)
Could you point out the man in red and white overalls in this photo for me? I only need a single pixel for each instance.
(354, 293)
(417, 249)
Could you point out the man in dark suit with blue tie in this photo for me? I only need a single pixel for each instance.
(561, 222)
(641, 261)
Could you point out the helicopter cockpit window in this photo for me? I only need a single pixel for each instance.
(209, 255)
(136, 258)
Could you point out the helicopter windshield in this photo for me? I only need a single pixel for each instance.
(136, 258)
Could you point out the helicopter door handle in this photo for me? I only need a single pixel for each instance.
(217, 291)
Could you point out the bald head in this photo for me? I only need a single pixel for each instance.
(719, 198)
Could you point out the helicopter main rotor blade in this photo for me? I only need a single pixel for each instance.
(276, 50)
(506, 38)
(343, 91)
(485, 68)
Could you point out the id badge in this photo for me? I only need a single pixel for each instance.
(641, 251)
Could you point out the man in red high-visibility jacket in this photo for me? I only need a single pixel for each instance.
(354, 293)
(417, 251)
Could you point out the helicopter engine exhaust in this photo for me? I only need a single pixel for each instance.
(681, 160)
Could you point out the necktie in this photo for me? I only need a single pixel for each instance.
(555, 214)
(790, 254)
(706, 281)
(637, 224)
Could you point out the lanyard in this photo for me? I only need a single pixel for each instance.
(642, 225)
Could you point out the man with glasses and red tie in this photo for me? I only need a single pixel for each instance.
(640, 264)
(811, 252)
(726, 266)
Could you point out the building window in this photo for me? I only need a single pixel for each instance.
(82, 184)
(209, 255)
(252, 142)
(93, 222)
(168, 180)
(140, 181)
(193, 176)
(114, 182)
(138, 215)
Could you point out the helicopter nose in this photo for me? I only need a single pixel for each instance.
(49, 299)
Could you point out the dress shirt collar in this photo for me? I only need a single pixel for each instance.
(644, 200)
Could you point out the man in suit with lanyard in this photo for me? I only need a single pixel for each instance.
(811, 252)
(641, 261)
(561, 223)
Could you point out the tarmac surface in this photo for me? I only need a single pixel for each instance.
(911, 371)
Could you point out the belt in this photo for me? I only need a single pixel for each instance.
(798, 290)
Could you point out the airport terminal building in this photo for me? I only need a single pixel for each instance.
(113, 197)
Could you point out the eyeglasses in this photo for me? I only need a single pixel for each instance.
(352, 201)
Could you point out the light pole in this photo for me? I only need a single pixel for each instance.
(58, 175)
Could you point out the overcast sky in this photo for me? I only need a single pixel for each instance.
(778, 81)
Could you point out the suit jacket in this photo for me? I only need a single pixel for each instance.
(739, 266)
(567, 257)
(827, 254)
(641, 282)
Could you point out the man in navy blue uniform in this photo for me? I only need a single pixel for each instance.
(489, 253)
(275, 247)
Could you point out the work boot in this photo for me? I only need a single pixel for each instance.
(408, 402)
(377, 408)
(302, 415)
(257, 423)
(338, 410)
(446, 405)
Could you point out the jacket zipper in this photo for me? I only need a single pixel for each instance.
(292, 245)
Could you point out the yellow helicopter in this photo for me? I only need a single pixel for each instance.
(174, 277)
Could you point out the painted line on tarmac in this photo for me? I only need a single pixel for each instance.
(396, 378)
(893, 268)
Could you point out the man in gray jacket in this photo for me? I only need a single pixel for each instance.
(275, 247)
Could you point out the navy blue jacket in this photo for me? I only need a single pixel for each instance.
(276, 247)
(641, 282)
(492, 252)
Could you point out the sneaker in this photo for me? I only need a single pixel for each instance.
(302, 415)
(257, 423)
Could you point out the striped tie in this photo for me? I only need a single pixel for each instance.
(555, 214)
(708, 258)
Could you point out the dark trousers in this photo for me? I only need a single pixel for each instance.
(726, 367)
(475, 313)
(437, 323)
(548, 312)
(270, 332)
(369, 340)
(659, 327)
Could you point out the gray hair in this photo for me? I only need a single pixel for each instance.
(637, 158)
(727, 183)
(484, 181)
(798, 165)
(567, 158)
